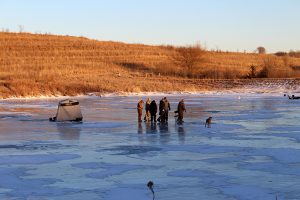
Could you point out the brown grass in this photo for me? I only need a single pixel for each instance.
(35, 64)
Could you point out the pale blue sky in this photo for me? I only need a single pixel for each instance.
(224, 24)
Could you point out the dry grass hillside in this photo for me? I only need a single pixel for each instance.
(36, 64)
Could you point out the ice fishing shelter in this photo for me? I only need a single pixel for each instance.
(68, 110)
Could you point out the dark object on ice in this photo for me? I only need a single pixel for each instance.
(52, 119)
(150, 185)
(292, 97)
(68, 110)
(208, 122)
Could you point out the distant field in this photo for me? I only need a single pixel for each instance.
(36, 64)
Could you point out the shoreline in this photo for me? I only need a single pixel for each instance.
(197, 87)
(144, 94)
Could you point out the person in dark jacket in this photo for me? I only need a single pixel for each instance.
(180, 109)
(153, 110)
(161, 111)
(166, 108)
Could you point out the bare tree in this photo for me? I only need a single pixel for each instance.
(286, 61)
(295, 54)
(261, 50)
(269, 68)
(252, 72)
(189, 57)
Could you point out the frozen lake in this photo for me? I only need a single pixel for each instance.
(252, 150)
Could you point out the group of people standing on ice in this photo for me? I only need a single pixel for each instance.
(151, 109)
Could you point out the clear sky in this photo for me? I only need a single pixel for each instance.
(216, 24)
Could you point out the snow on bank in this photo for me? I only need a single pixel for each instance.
(44, 97)
(270, 90)
(143, 94)
(273, 88)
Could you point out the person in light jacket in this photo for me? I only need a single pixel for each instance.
(147, 117)
(167, 108)
(140, 107)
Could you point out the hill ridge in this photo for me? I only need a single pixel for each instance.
(39, 64)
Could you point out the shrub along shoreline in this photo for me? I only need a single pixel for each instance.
(172, 86)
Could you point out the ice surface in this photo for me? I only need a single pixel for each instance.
(34, 159)
(252, 150)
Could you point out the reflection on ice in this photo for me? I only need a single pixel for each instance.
(68, 131)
